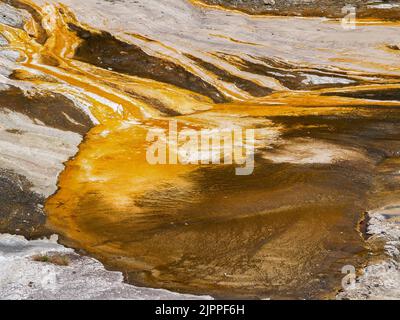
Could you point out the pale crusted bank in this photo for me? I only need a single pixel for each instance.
(83, 278)
(39, 132)
(380, 280)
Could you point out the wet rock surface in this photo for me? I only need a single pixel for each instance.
(106, 51)
(21, 277)
(31, 149)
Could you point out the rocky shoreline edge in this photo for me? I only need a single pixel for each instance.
(26, 266)
(45, 270)
(380, 279)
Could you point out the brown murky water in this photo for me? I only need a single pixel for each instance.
(284, 231)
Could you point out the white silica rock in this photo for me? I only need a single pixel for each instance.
(3, 41)
(83, 278)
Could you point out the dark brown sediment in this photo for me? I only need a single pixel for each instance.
(105, 51)
(41, 32)
(394, 47)
(53, 109)
(284, 232)
(21, 210)
(156, 104)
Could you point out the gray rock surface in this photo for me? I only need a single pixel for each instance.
(11, 16)
(39, 131)
(3, 41)
(380, 280)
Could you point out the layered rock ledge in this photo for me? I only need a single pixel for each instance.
(314, 8)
